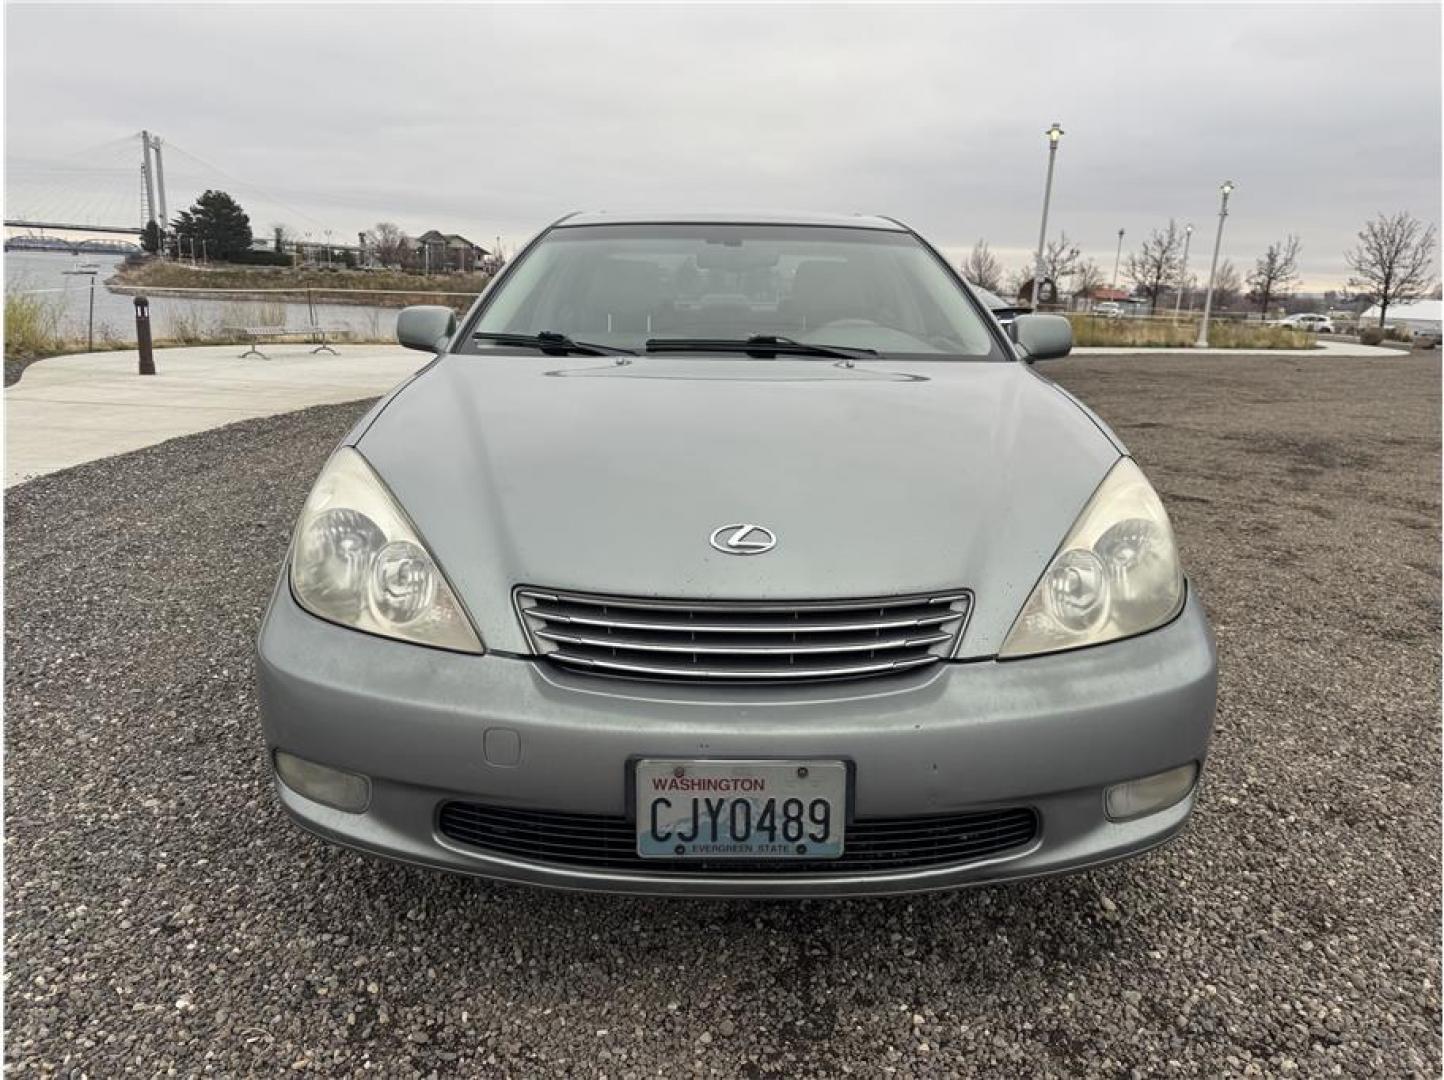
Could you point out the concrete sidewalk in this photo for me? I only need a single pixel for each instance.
(68, 410)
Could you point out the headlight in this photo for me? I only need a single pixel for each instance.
(1116, 575)
(358, 561)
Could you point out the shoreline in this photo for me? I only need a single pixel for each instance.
(378, 289)
(300, 294)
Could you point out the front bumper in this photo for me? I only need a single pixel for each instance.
(428, 726)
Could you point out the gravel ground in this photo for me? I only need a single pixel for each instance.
(15, 367)
(163, 917)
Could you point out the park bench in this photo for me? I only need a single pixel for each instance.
(319, 334)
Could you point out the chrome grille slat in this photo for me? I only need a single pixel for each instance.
(744, 606)
(756, 627)
(740, 650)
(737, 641)
(740, 674)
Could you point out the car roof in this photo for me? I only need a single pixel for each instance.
(715, 217)
(992, 301)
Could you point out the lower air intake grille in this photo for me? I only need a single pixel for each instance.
(604, 842)
(740, 642)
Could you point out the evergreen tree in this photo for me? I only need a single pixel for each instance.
(216, 224)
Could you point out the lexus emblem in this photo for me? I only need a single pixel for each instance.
(744, 539)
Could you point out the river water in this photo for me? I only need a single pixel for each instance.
(43, 272)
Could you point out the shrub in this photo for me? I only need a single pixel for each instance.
(1371, 335)
(260, 258)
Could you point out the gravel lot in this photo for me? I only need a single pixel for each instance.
(163, 916)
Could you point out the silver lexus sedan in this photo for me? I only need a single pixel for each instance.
(738, 555)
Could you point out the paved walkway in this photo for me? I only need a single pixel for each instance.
(68, 410)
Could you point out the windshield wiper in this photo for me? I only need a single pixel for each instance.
(549, 341)
(757, 345)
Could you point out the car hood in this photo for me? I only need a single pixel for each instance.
(877, 479)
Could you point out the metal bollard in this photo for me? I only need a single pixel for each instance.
(142, 335)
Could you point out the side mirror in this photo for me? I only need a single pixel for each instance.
(1043, 337)
(427, 327)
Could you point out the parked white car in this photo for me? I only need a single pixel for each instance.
(1108, 309)
(1318, 324)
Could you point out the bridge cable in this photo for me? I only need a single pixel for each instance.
(247, 184)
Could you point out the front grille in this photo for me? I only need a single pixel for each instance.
(606, 842)
(739, 641)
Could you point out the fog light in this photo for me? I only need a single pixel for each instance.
(343, 790)
(1149, 794)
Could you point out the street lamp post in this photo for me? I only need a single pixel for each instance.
(1225, 190)
(1183, 271)
(90, 323)
(1054, 133)
(1118, 258)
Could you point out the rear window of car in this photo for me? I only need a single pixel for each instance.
(625, 285)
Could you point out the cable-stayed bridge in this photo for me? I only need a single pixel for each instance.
(117, 187)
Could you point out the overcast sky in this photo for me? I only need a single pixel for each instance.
(495, 120)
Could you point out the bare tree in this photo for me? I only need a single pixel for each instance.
(1060, 261)
(1156, 264)
(1087, 277)
(982, 268)
(1394, 261)
(1273, 273)
(1226, 285)
(389, 243)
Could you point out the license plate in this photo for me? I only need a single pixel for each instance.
(740, 809)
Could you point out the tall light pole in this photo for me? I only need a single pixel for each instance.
(1226, 190)
(1054, 133)
(1183, 271)
(1118, 258)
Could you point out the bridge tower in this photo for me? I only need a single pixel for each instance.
(149, 179)
(153, 174)
(160, 184)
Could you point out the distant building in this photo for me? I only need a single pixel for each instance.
(1419, 316)
(1119, 301)
(435, 252)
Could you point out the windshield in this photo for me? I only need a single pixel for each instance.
(631, 286)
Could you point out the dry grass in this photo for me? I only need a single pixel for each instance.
(1182, 333)
(1234, 335)
(32, 325)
